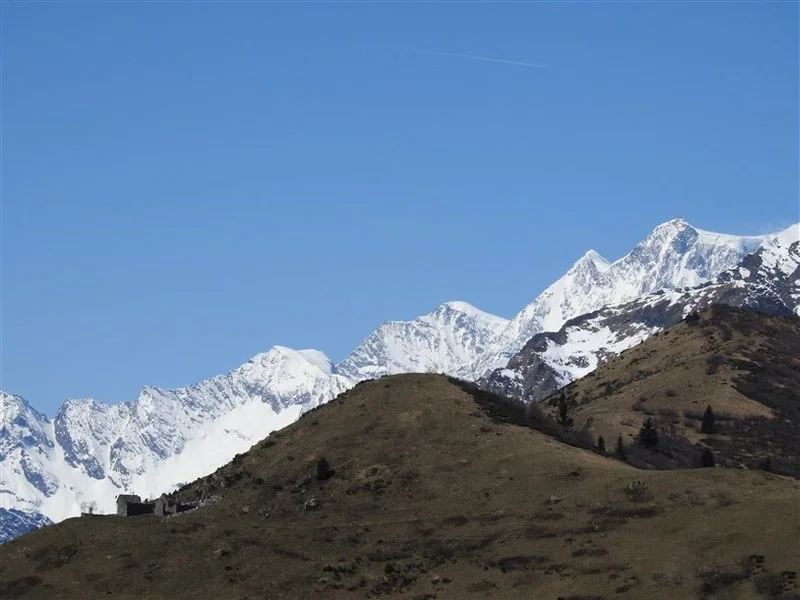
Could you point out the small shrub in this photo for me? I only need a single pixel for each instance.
(715, 361)
(723, 498)
(637, 491)
(670, 393)
(769, 585)
(324, 470)
(601, 444)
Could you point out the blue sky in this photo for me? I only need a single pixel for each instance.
(186, 184)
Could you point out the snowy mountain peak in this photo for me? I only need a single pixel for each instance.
(595, 258)
(460, 306)
(279, 360)
(82, 401)
(459, 309)
(589, 265)
(775, 266)
(282, 374)
(676, 224)
(678, 236)
(318, 359)
(787, 237)
(13, 405)
(447, 340)
(675, 255)
(21, 424)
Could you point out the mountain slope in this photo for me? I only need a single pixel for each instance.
(767, 280)
(675, 255)
(437, 490)
(741, 363)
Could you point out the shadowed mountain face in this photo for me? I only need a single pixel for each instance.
(430, 488)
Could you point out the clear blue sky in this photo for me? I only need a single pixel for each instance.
(187, 184)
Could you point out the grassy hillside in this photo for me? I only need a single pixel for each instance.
(745, 365)
(438, 491)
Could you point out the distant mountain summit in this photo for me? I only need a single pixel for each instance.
(92, 451)
(448, 340)
(675, 255)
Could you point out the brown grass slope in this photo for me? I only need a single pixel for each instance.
(439, 491)
(743, 364)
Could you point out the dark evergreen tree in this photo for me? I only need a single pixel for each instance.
(563, 418)
(766, 464)
(707, 458)
(709, 422)
(648, 435)
(620, 449)
(324, 470)
(601, 444)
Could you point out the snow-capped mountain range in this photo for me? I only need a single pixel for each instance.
(51, 469)
(675, 255)
(768, 280)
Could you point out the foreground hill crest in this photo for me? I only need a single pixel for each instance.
(417, 486)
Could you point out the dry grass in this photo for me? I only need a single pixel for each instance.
(437, 493)
(753, 386)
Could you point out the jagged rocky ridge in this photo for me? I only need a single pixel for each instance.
(767, 280)
(675, 255)
(91, 451)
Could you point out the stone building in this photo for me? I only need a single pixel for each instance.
(129, 505)
(165, 506)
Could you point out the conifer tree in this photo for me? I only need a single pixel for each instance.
(620, 449)
(709, 422)
(563, 413)
(707, 458)
(648, 435)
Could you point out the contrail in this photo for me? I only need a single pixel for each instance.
(488, 59)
